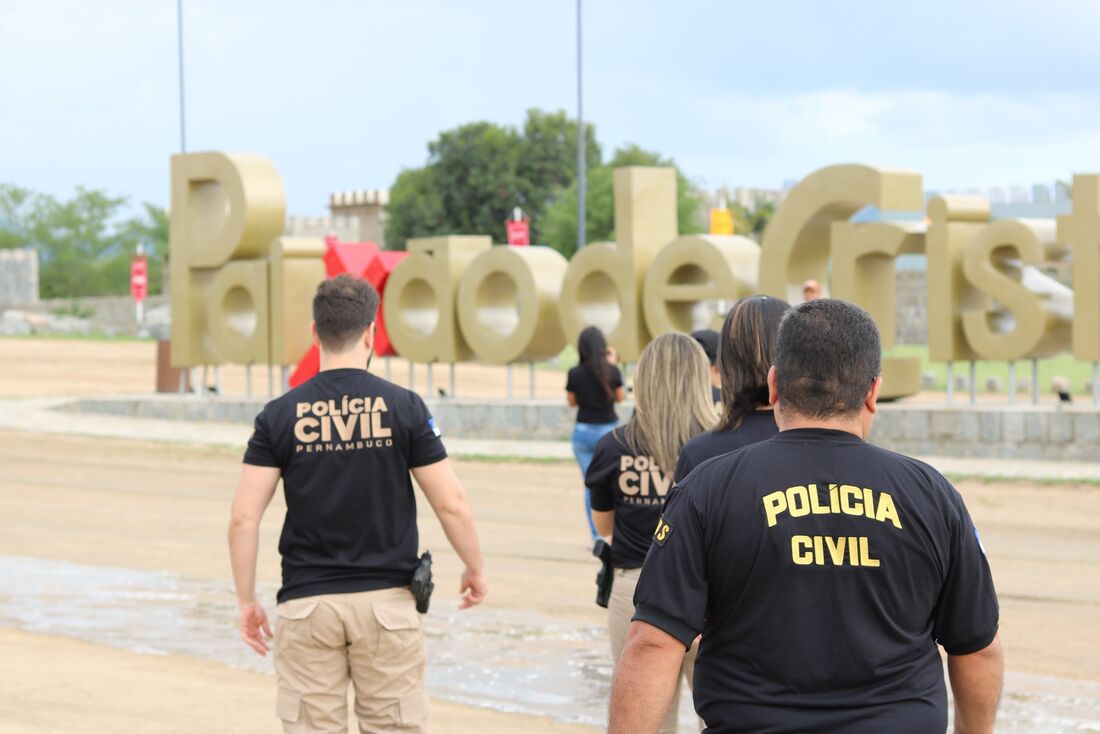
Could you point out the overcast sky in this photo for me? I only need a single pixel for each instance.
(343, 95)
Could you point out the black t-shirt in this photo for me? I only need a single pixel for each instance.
(756, 426)
(345, 442)
(821, 572)
(634, 487)
(593, 405)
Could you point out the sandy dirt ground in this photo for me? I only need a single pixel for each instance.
(161, 507)
(45, 367)
(158, 507)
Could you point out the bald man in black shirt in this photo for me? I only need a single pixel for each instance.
(822, 572)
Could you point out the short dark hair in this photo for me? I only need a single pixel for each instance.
(827, 357)
(344, 308)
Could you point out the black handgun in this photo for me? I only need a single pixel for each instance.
(422, 584)
(606, 575)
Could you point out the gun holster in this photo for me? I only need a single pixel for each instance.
(422, 585)
(606, 575)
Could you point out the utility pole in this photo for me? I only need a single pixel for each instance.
(179, 33)
(580, 142)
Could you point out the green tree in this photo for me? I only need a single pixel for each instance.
(83, 248)
(477, 173)
(752, 222)
(560, 225)
(548, 161)
(16, 212)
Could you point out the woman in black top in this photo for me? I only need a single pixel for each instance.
(593, 387)
(746, 351)
(629, 477)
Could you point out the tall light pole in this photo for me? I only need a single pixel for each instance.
(580, 142)
(179, 34)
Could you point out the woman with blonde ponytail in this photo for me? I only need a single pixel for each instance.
(631, 470)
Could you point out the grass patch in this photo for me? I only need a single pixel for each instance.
(95, 336)
(1063, 365)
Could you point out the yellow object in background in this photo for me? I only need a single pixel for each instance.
(721, 221)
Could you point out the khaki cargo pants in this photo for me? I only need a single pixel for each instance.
(620, 608)
(371, 639)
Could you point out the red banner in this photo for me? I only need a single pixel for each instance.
(519, 232)
(139, 278)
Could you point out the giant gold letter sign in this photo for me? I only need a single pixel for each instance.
(796, 243)
(508, 304)
(1031, 317)
(698, 271)
(603, 285)
(954, 221)
(226, 209)
(420, 298)
(864, 273)
(1081, 231)
(297, 268)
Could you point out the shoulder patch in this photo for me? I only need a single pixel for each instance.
(434, 427)
(660, 535)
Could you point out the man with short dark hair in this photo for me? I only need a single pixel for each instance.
(821, 571)
(344, 444)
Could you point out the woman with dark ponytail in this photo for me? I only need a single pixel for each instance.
(746, 351)
(593, 387)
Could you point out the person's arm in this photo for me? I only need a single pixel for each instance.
(645, 680)
(976, 681)
(571, 398)
(617, 384)
(604, 521)
(448, 500)
(254, 493)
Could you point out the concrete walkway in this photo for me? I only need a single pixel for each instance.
(40, 415)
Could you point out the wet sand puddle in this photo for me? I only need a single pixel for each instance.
(505, 660)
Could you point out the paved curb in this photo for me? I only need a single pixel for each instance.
(42, 415)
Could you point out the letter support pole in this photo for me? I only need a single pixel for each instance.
(1012, 383)
(452, 380)
(508, 391)
(429, 387)
(1034, 381)
(973, 382)
(950, 373)
(248, 380)
(1096, 383)
(531, 368)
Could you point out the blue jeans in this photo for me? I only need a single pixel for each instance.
(585, 438)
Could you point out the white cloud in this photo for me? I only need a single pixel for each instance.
(954, 139)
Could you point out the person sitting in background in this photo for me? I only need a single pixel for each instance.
(629, 479)
(746, 351)
(592, 387)
(811, 290)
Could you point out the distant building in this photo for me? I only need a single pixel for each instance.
(355, 216)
